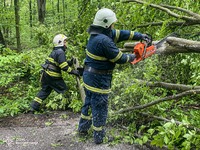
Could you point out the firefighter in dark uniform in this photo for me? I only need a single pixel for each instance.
(51, 78)
(101, 57)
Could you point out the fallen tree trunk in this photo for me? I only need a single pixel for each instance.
(173, 45)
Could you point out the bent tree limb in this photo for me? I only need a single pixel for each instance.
(190, 17)
(168, 98)
(81, 90)
(169, 86)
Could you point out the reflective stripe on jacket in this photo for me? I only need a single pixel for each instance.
(57, 58)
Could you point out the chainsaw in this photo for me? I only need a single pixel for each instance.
(145, 49)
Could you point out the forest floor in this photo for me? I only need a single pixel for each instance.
(50, 131)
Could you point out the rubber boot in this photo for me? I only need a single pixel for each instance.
(35, 106)
(98, 136)
(84, 126)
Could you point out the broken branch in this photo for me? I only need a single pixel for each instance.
(168, 98)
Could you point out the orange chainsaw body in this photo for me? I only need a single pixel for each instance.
(142, 51)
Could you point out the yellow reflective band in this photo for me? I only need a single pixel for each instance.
(95, 57)
(117, 57)
(86, 117)
(69, 69)
(37, 99)
(64, 64)
(97, 128)
(128, 58)
(53, 74)
(97, 90)
(131, 35)
(117, 36)
(52, 61)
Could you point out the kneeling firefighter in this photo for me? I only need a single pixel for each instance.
(102, 55)
(51, 78)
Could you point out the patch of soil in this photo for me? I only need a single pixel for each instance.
(39, 120)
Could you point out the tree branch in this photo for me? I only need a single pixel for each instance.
(173, 23)
(168, 98)
(169, 86)
(197, 16)
(186, 18)
(169, 120)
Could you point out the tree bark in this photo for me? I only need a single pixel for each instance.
(81, 90)
(41, 10)
(2, 41)
(17, 25)
(172, 45)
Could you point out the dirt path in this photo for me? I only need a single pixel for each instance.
(50, 131)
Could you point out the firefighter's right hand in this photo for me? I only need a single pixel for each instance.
(75, 72)
(71, 62)
(80, 69)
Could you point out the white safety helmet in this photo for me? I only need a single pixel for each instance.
(59, 39)
(104, 18)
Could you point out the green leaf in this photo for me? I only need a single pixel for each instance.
(48, 123)
(145, 139)
(2, 142)
(166, 140)
(151, 131)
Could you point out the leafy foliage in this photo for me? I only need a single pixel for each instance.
(20, 76)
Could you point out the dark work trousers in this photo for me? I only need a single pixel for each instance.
(48, 84)
(51, 83)
(99, 108)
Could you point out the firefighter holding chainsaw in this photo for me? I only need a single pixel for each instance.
(101, 57)
(51, 78)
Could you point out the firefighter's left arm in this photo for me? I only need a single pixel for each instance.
(124, 35)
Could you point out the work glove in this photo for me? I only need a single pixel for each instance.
(71, 62)
(132, 57)
(80, 69)
(75, 72)
(147, 38)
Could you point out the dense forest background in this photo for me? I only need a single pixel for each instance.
(155, 101)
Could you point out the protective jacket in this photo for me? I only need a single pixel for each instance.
(102, 55)
(56, 62)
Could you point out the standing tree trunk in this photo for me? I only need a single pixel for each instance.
(17, 19)
(2, 41)
(64, 22)
(41, 10)
(31, 16)
(58, 10)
